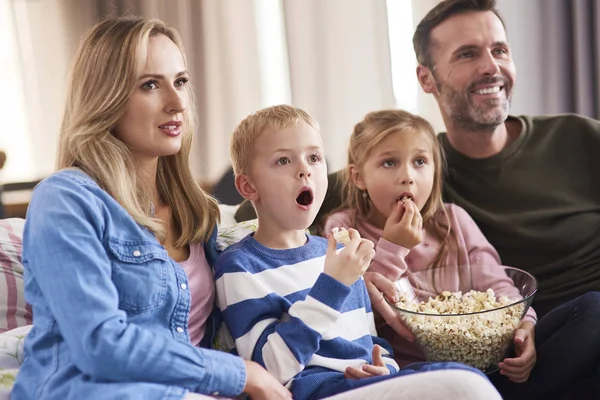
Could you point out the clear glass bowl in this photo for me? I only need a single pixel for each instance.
(480, 339)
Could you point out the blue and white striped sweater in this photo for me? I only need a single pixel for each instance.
(297, 322)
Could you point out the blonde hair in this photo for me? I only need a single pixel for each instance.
(375, 127)
(104, 73)
(248, 131)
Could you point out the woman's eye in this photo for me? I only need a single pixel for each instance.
(283, 161)
(181, 82)
(150, 85)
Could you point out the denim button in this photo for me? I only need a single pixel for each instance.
(183, 286)
(137, 253)
(179, 329)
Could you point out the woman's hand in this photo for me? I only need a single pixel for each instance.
(369, 370)
(378, 286)
(260, 384)
(518, 369)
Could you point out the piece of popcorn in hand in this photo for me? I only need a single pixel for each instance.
(341, 235)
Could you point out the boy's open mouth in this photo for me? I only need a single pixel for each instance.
(305, 198)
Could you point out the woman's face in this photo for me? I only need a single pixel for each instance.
(152, 124)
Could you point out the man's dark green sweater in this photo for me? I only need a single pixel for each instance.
(538, 203)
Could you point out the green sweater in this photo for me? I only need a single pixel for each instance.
(538, 203)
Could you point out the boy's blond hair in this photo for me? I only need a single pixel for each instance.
(248, 131)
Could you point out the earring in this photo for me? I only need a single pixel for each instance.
(365, 195)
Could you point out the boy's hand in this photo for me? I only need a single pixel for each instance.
(518, 369)
(404, 226)
(352, 262)
(260, 384)
(368, 370)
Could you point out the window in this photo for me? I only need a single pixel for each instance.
(404, 63)
(14, 135)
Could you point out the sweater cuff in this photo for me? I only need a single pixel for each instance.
(392, 248)
(330, 292)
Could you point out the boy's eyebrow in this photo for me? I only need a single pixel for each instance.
(159, 76)
(283, 149)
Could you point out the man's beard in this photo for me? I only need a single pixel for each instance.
(467, 116)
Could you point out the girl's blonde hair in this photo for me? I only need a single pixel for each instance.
(375, 127)
(104, 73)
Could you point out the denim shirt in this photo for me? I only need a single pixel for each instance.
(110, 307)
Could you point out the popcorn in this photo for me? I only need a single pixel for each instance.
(341, 235)
(478, 339)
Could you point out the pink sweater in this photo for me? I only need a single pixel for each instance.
(478, 267)
(202, 289)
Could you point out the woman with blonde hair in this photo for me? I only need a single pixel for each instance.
(119, 242)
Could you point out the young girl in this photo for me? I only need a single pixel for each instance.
(119, 243)
(393, 195)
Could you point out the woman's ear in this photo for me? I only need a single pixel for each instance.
(425, 77)
(356, 177)
(245, 187)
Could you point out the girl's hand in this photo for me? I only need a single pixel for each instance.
(518, 369)
(404, 226)
(352, 261)
(379, 286)
(368, 370)
(260, 384)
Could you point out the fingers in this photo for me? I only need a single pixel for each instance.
(397, 213)
(355, 373)
(331, 245)
(373, 370)
(366, 250)
(377, 358)
(417, 221)
(409, 213)
(378, 283)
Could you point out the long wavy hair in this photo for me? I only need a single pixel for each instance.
(374, 128)
(106, 68)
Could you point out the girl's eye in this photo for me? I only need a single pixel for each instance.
(388, 163)
(283, 161)
(419, 162)
(315, 158)
(181, 82)
(150, 85)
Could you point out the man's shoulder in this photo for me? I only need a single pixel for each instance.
(559, 122)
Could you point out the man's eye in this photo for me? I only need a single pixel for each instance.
(468, 54)
(283, 161)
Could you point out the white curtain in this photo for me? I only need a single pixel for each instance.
(337, 65)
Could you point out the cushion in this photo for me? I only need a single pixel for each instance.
(11, 357)
(229, 235)
(14, 311)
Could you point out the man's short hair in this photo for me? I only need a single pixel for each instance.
(248, 131)
(438, 14)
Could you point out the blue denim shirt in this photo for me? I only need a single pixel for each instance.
(110, 307)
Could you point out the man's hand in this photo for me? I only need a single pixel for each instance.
(352, 261)
(404, 226)
(379, 286)
(518, 369)
(369, 370)
(260, 384)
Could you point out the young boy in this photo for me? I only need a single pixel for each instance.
(291, 301)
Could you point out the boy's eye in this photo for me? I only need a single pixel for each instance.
(388, 163)
(315, 158)
(150, 85)
(283, 161)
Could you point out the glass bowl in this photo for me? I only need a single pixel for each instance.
(480, 339)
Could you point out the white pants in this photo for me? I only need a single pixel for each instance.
(451, 384)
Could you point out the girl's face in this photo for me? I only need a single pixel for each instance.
(401, 165)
